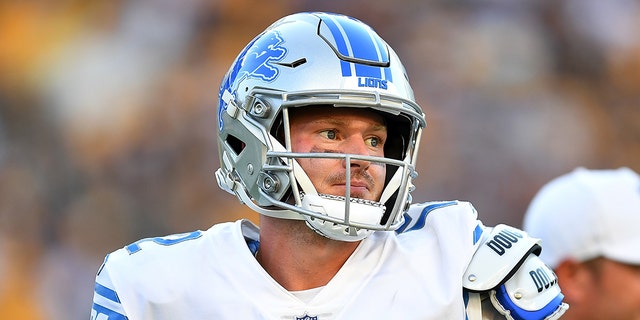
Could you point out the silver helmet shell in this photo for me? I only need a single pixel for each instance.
(312, 59)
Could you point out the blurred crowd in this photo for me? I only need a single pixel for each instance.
(107, 116)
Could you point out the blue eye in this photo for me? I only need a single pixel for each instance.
(374, 142)
(329, 134)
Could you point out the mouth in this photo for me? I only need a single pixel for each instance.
(360, 185)
(354, 186)
(358, 190)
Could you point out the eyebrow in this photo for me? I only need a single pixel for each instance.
(341, 122)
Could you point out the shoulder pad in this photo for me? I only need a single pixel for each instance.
(498, 256)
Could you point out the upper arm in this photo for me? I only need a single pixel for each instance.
(106, 302)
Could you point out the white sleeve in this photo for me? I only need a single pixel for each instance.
(106, 303)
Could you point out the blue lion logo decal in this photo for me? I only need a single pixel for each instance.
(255, 61)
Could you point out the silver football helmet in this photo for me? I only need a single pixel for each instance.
(315, 59)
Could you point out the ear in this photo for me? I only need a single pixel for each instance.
(575, 280)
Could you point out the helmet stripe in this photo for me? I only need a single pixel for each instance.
(352, 41)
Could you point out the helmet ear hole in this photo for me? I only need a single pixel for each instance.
(236, 144)
(277, 130)
(398, 133)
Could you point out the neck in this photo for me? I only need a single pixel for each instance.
(297, 257)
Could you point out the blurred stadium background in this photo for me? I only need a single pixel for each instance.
(107, 116)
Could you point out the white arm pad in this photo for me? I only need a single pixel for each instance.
(520, 285)
(498, 255)
(531, 293)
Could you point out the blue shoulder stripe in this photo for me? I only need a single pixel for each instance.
(106, 292)
(420, 223)
(101, 311)
(477, 233)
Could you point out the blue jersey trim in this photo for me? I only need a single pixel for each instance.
(106, 292)
(407, 222)
(420, 223)
(165, 241)
(477, 233)
(111, 315)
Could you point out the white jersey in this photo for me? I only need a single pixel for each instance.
(414, 273)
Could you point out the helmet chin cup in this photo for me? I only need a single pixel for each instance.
(343, 218)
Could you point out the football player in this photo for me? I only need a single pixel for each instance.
(319, 133)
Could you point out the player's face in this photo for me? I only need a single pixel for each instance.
(341, 130)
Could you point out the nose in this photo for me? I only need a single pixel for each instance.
(357, 146)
